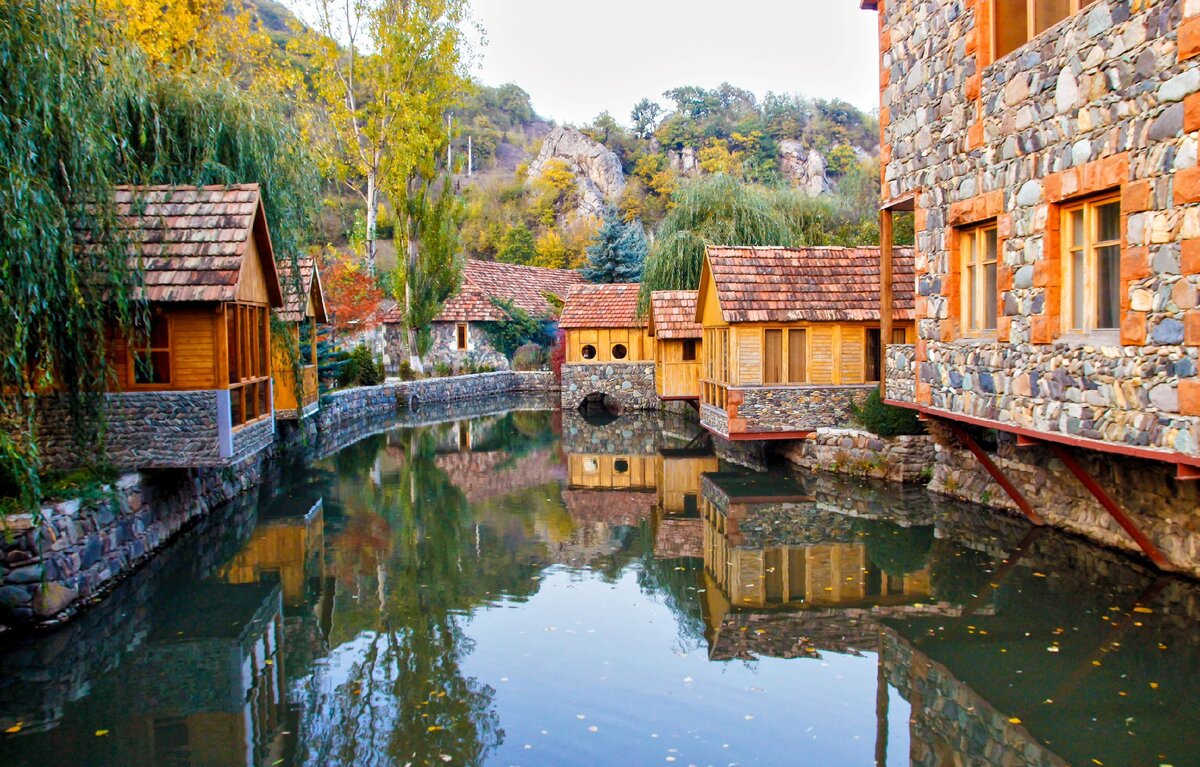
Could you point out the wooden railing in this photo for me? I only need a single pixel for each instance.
(714, 393)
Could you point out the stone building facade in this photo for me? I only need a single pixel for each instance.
(1074, 154)
(624, 385)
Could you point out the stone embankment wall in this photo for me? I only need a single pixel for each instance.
(861, 453)
(628, 385)
(1163, 507)
(774, 409)
(79, 549)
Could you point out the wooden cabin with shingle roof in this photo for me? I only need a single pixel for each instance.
(193, 386)
(602, 325)
(791, 336)
(677, 344)
(296, 350)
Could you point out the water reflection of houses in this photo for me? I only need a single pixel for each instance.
(679, 531)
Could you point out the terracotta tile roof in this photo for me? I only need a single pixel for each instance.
(525, 286)
(673, 314)
(828, 284)
(295, 293)
(602, 306)
(613, 507)
(389, 312)
(192, 239)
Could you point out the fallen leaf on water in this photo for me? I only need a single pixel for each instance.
(1140, 609)
(1154, 685)
(593, 728)
(15, 728)
(1014, 720)
(434, 728)
(101, 733)
(445, 757)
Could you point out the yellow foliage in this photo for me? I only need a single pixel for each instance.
(551, 251)
(717, 158)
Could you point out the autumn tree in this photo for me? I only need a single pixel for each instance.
(351, 293)
(384, 74)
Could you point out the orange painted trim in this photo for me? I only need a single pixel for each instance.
(1146, 453)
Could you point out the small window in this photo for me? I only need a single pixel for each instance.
(152, 352)
(1092, 265)
(1017, 21)
(689, 350)
(979, 246)
(899, 336)
(619, 352)
(588, 352)
(460, 336)
(590, 465)
(621, 466)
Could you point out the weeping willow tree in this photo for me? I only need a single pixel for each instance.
(81, 115)
(722, 210)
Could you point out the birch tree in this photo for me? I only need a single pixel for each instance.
(383, 75)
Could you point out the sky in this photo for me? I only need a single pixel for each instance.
(577, 58)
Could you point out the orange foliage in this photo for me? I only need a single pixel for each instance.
(351, 293)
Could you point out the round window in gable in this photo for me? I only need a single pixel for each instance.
(588, 351)
(619, 352)
(621, 466)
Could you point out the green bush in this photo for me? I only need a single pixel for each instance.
(406, 372)
(886, 420)
(442, 369)
(529, 357)
(361, 369)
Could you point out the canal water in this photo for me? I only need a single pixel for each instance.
(529, 588)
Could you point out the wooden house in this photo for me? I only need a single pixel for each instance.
(192, 384)
(677, 344)
(602, 325)
(792, 336)
(296, 351)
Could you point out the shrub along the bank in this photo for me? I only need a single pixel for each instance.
(361, 369)
(886, 420)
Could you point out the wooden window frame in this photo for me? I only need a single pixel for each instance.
(1031, 25)
(461, 338)
(248, 341)
(149, 348)
(1088, 206)
(973, 263)
(687, 352)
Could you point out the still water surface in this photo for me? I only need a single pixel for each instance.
(526, 588)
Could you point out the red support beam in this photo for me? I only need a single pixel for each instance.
(1185, 472)
(995, 471)
(1112, 507)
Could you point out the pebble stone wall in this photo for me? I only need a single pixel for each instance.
(785, 409)
(1108, 100)
(630, 385)
(479, 351)
(861, 453)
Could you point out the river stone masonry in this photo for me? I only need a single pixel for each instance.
(860, 453)
(628, 385)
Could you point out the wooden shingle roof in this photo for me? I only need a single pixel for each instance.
(526, 286)
(602, 306)
(825, 284)
(673, 314)
(296, 291)
(192, 240)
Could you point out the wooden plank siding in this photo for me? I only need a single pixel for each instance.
(193, 333)
(674, 376)
(637, 342)
(252, 281)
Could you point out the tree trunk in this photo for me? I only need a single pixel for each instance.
(372, 218)
(414, 357)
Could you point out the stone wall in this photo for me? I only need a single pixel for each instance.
(630, 385)
(773, 409)
(1162, 507)
(76, 550)
(479, 351)
(861, 453)
(900, 372)
(253, 437)
(160, 429)
(1101, 103)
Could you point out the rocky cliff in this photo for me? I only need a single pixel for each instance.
(803, 167)
(597, 170)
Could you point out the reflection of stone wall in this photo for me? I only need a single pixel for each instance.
(479, 349)
(636, 433)
(860, 453)
(629, 384)
(1162, 507)
(160, 429)
(678, 537)
(77, 551)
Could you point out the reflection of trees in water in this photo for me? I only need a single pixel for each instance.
(393, 692)
(894, 549)
(674, 582)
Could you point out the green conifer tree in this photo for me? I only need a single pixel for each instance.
(618, 251)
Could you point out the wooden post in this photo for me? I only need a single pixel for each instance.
(886, 309)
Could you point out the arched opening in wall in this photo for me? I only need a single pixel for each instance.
(599, 409)
(621, 466)
(588, 352)
(619, 352)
